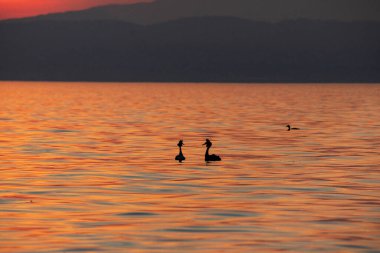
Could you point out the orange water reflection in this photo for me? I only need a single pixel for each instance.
(90, 167)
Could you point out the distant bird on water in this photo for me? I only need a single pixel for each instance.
(209, 157)
(292, 128)
(180, 157)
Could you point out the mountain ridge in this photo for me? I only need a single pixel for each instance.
(208, 49)
(259, 10)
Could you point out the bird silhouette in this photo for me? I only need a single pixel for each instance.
(292, 128)
(209, 157)
(180, 157)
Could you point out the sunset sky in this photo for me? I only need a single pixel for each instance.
(25, 8)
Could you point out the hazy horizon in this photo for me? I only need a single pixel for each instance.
(9, 9)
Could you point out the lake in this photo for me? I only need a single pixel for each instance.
(89, 167)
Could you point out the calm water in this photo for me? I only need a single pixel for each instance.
(90, 167)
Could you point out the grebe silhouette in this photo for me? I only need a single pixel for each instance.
(180, 157)
(292, 128)
(212, 157)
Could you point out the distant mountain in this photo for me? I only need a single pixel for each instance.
(259, 10)
(217, 49)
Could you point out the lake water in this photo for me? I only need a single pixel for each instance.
(89, 167)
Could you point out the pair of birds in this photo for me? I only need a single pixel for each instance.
(208, 158)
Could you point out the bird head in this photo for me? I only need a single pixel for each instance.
(208, 143)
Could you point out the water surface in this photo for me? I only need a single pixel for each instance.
(89, 167)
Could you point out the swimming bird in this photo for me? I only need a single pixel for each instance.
(180, 157)
(212, 157)
(292, 128)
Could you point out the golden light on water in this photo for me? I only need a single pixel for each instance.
(90, 167)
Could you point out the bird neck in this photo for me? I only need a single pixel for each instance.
(180, 149)
(207, 151)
